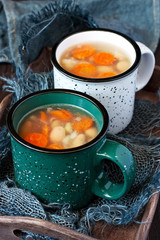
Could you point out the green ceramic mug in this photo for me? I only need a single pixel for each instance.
(72, 175)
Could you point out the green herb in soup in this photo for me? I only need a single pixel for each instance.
(58, 127)
(95, 60)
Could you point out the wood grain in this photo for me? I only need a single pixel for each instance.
(9, 226)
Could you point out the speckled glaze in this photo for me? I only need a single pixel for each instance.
(117, 94)
(71, 175)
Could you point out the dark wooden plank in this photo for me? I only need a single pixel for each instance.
(143, 231)
(154, 233)
(9, 226)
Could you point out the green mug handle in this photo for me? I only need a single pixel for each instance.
(122, 157)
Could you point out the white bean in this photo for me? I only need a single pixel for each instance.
(73, 134)
(57, 134)
(79, 140)
(33, 118)
(103, 69)
(69, 64)
(67, 141)
(119, 56)
(55, 123)
(123, 65)
(49, 109)
(91, 132)
(68, 127)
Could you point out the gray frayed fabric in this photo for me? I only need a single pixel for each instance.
(11, 14)
(10, 202)
(51, 24)
(26, 27)
(50, 21)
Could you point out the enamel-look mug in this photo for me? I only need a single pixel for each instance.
(72, 175)
(116, 93)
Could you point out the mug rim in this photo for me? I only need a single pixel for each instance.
(20, 140)
(96, 80)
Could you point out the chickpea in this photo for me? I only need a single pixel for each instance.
(57, 134)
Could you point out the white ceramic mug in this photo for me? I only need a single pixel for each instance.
(116, 93)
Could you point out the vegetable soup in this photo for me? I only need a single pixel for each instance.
(58, 127)
(95, 60)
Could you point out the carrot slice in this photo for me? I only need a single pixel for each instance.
(43, 116)
(54, 146)
(62, 114)
(37, 139)
(82, 124)
(85, 70)
(45, 130)
(103, 58)
(106, 74)
(83, 51)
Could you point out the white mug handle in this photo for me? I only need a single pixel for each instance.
(146, 66)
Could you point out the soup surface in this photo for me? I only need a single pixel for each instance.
(58, 127)
(95, 60)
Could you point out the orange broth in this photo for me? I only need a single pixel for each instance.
(95, 60)
(58, 127)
